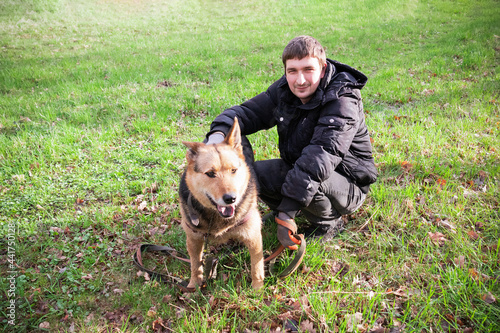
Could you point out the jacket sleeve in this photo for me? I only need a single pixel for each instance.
(253, 115)
(333, 135)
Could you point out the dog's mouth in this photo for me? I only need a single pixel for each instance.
(226, 211)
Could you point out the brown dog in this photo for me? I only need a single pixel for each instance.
(218, 198)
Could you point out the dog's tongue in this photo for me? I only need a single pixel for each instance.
(226, 211)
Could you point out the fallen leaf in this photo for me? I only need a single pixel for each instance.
(352, 320)
(307, 326)
(285, 315)
(118, 291)
(474, 274)
(473, 235)
(142, 206)
(406, 165)
(441, 182)
(460, 261)
(377, 330)
(179, 313)
(489, 298)
(56, 229)
(447, 224)
(89, 318)
(152, 311)
(437, 238)
(45, 325)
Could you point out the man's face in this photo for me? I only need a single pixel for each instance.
(303, 76)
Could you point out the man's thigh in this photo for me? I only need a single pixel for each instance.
(343, 194)
(270, 177)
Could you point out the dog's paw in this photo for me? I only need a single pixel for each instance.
(257, 284)
(194, 283)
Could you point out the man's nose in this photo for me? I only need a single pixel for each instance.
(301, 78)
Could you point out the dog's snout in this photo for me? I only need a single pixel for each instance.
(229, 198)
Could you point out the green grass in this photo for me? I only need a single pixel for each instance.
(96, 97)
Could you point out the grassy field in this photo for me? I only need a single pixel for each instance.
(96, 96)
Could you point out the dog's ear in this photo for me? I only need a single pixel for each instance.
(193, 149)
(234, 136)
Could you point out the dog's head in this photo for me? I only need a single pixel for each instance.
(217, 174)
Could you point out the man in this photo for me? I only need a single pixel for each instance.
(326, 164)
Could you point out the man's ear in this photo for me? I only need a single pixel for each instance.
(323, 71)
(233, 138)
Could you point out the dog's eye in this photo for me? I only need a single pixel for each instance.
(234, 170)
(210, 174)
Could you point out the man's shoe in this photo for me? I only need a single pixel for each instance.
(324, 233)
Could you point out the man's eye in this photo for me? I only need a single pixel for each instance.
(210, 174)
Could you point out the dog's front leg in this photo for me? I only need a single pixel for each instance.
(195, 249)
(256, 259)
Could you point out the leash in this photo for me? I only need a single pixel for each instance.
(292, 240)
(166, 250)
(288, 238)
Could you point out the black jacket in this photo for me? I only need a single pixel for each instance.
(327, 133)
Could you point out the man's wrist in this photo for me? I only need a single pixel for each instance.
(216, 137)
(285, 216)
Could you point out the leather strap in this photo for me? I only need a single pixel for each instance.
(297, 260)
(286, 234)
(166, 250)
(210, 265)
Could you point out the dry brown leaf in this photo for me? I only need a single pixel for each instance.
(352, 320)
(473, 235)
(87, 277)
(437, 238)
(152, 311)
(142, 206)
(447, 224)
(44, 326)
(307, 326)
(56, 229)
(474, 274)
(285, 315)
(89, 318)
(489, 298)
(460, 261)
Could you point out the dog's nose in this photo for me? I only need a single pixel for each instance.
(229, 198)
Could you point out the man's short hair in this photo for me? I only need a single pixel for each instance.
(303, 46)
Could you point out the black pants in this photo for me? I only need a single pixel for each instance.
(336, 196)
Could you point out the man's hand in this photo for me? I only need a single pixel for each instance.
(216, 137)
(286, 229)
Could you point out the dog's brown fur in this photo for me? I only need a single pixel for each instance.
(218, 198)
